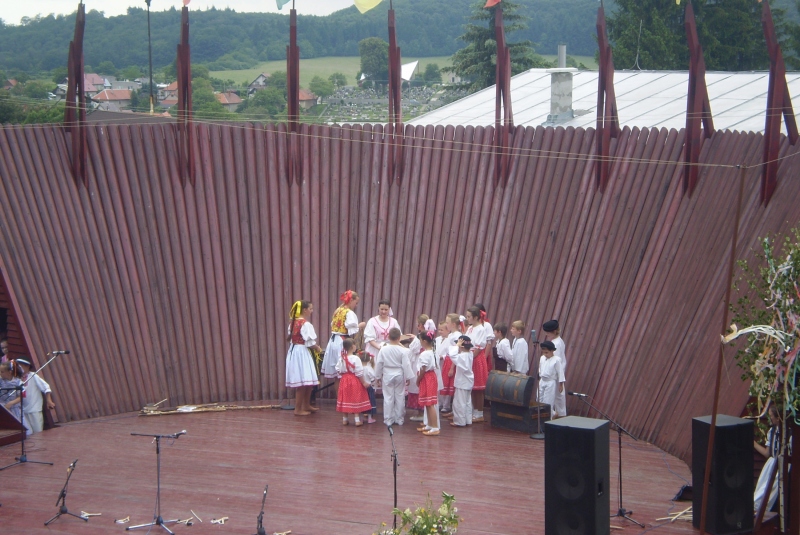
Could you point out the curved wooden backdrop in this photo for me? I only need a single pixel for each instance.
(164, 291)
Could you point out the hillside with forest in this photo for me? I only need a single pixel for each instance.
(225, 39)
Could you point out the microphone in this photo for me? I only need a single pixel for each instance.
(391, 431)
(62, 352)
(533, 336)
(578, 394)
(176, 435)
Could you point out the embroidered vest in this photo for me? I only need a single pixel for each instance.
(339, 317)
(297, 338)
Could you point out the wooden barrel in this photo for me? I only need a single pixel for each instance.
(509, 388)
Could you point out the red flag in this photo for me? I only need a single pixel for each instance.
(491, 3)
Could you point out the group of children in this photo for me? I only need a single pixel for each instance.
(447, 369)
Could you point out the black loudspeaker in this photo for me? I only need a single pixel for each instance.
(730, 491)
(576, 499)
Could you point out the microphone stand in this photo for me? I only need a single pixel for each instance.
(62, 497)
(395, 464)
(260, 526)
(22, 459)
(538, 435)
(621, 512)
(157, 520)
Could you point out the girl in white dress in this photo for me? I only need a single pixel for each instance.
(344, 324)
(551, 377)
(376, 332)
(300, 370)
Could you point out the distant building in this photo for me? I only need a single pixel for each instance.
(307, 99)
(124, 84)
(8, 85)
(258, 84)
(229, 100)
(112, 99)
(168, 93)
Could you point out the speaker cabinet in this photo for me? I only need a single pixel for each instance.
(576, 498)
(730, 492)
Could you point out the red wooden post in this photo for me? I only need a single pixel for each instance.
(502, 143)
(607, 116)
(395, 129)
(293, 104)
(697, 105)
(75, 110)
(185, 146)
(779, 102)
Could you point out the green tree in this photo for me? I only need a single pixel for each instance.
(59, 75)
(36, 90)
(338, 79)
(204, 103)
(45, 113)
(321, 87)
(475, 63)
(729, 31)
(10, 110)
(374, 54)
(106, 67)
(130, 73)
(200, 71)
(432, 74)
(266, 104)
(277, 80)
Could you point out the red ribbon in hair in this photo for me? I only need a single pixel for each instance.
(346, 297)
(431, 335)
(484, 316)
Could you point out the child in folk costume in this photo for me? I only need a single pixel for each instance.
(35, 388)
(551, 377)
(369, 376)
(425, 324)
(10, 374)
(553, 333)
(301, 372)
(462, 357)
(480, 368)
(489, 349)
(392, 366)
(519, 348)
(352, 397)
(344, 324)
(428, 384)
(448, 372)
(772, 451)
(503, 347)
(412, 397)
(376, 331)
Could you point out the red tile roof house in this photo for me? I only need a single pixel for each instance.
(229, 100)
(93, 84)
(169, 93)
(307, 99)
(113, 99)
(8, 85)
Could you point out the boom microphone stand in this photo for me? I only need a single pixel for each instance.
(260, 526)
(62, 497)
(157, 520)
(395, 464)
(22, 459)
(621, 512)
(538, 435)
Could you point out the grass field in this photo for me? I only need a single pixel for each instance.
(349, 65)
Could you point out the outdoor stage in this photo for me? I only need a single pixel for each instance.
(324, 478)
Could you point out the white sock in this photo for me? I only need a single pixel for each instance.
(344, 419)
(358, 420)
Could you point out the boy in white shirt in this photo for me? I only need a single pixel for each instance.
(519, 348)
(503, 347)
(393, 369)
(461, 355)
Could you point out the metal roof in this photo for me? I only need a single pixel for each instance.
(651, 99)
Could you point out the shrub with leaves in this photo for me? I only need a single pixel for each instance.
(770, 314)
(427, 520)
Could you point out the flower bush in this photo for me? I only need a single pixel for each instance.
(427, 520)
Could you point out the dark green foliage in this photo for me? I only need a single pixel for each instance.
(21, 111)
(730, 32)
(266, 105)
(374, 54)
(476, 62)
(226, 39)
(432, 74)
(320, 87)
(338, 79)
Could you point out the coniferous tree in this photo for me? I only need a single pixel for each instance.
(475, 63)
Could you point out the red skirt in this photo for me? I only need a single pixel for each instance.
(353, 397)
(480, 370)
(448, 388)
(412, 401)
(427, 389)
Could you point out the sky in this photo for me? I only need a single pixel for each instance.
(11, 11)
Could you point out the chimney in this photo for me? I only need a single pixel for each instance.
(560, 90)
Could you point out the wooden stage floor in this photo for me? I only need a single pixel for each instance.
(324, 478)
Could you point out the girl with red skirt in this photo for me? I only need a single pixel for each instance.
(352, 397)
(428, 384)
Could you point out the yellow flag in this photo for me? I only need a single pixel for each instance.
(365, 5)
